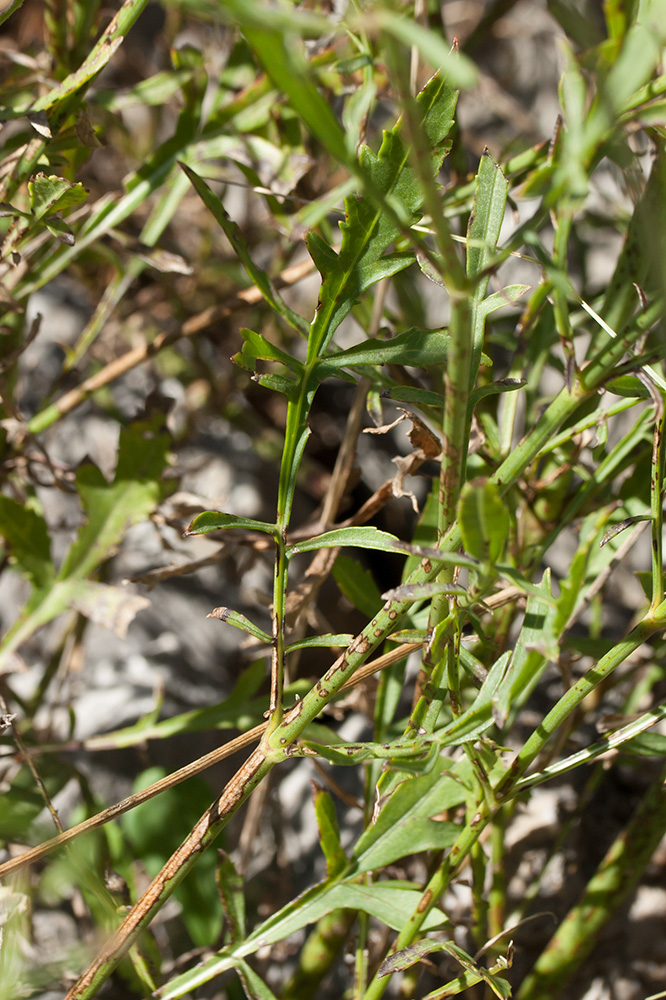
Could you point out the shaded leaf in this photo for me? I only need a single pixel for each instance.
(459, 70)
(329, 831)
(253, 985)
(237, 240)
(26, 535)
(134, 493)
(230, 888)
(484, 521)
(357, 584)
(156, 828)
(111, 607)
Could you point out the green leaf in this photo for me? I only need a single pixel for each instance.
(278, 383)
(283, 59)
(502, 385)
(459, 70)
(484, 521)
(415, 636)
(474, 973)
(59, 229)
(238, 620)
(416, 752)
(479, 716)
(357, 538)
(405, 824)
(230, 887)
(417, 348)
(255, 346)
(627, 385)
(419, 397)
(341, 639)
(110, 507)
(390, 902)
(26, 535)
(370, 227)
(646, 745)
(237, 240)
(506, 297)
(22, 802)
(50, 193)
(421, 591)
(212, 520)
(154, 91)
(483, 233)
(253, 985)
(357, 584)
(243, 709)
(329, 831)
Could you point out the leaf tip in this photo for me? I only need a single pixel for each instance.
(221, 613)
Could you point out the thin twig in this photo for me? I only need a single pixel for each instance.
(16, 733)
(182, 774)
(120, 366)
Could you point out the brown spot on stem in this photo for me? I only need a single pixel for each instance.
(424, 902)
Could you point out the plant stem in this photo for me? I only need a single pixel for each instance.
(614, 880)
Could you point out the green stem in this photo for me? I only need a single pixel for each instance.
(653, 622)
(656, 500)
(456, 857)
(614, 880)
(107, 44)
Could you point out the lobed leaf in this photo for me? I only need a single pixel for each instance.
(26, 536)
(391, 199)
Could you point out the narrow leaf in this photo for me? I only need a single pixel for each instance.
(370, 227)
(357, 584)
(211, 520)
(240, 621)
(417, 348)
(253, 985)
(357, 538)
(329, 831)
(506, 297)
(459, 70)
(255, 346)
(341, 639)
(230, 888)
(484, 521)
(237, 240)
